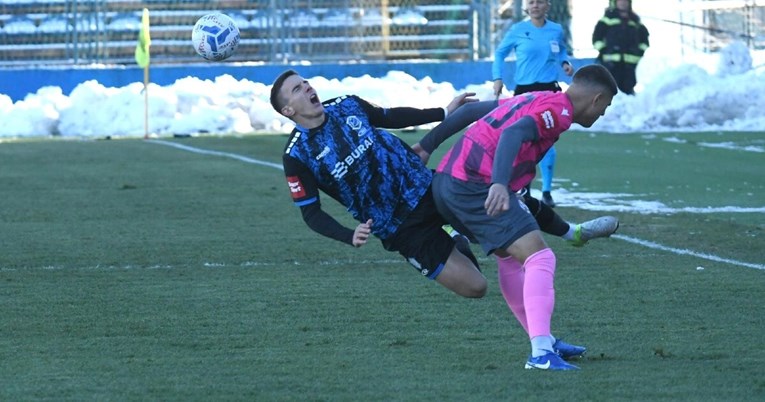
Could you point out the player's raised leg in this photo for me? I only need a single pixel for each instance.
(604, 226)
(462, 277)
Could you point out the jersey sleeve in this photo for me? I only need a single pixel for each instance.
(563, 54)
(456, 122)
(510, 141)
(400, 117)
(301, 182)
(503, 49)
(305, 194)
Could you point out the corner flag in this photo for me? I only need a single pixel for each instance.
(144, 41)
(142, 58)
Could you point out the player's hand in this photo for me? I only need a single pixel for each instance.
(424, 155)
(498, 85)
(361, 234)
(498, 200)
(568, 69)
(461, 99)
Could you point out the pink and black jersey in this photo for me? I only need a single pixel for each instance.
(471, 158)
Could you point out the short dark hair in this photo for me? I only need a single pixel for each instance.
(276, 87)
(596, 75)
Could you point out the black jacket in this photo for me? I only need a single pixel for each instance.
(620, 39)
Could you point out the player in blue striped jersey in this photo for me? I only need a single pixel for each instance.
(341, 147)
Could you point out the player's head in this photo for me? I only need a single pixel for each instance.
(293, 97)
(591, 91)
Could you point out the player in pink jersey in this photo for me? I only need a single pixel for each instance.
(548, 220)
(497, 154)
(473, 159)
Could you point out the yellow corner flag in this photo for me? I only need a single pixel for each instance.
(144, 41)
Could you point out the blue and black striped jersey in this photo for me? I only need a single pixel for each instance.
(367, 169)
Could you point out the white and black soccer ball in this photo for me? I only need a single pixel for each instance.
(215, 36)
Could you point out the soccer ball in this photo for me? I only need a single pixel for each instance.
(215, 36)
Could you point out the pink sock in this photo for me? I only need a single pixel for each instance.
(511, 275)
(538, 292)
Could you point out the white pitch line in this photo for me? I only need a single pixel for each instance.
(217, 153)
(214, 265)
(633, 240)
(656, 246)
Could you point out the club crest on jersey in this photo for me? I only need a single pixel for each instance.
(296, 187)
(353, 122)
(357, 125)
(548, 118)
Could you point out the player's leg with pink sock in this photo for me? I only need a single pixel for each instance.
(511, 278)
(539, 298)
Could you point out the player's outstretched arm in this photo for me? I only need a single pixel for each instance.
(453, 124)
(459, 100)
(402, 117)
(325, 225)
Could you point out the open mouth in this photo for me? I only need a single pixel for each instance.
(314, 99)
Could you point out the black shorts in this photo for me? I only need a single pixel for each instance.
(422, 240)
(537, 86)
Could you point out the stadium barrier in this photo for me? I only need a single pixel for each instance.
(18, 82)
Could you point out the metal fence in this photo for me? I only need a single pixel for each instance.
(105, 31)
(723, 22)
(278, 31)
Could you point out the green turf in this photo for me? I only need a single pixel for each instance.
(135, 271)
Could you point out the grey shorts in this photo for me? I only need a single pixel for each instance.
(462, 204)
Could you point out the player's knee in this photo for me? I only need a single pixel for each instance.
(474, 289)
(463, 279)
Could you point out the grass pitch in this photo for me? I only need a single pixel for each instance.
(136, 271)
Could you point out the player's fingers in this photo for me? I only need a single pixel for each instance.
(496, 205)
(365, 228)
(506, 205)
(359, 239)
(490, 205)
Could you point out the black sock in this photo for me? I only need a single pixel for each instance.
(547, 219)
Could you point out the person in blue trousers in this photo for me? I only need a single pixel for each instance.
(540, 52)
